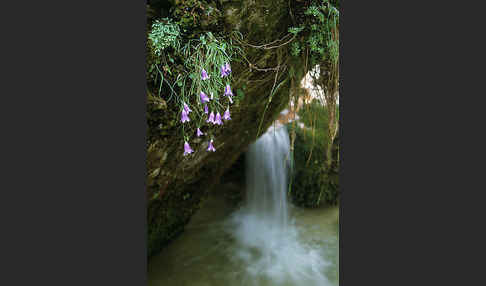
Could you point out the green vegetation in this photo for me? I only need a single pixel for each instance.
(312, 183)
(164, 34)
(319, 32)
(317, 48)
(176, 62)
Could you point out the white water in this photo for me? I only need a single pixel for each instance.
(266, 242)
(269, 243)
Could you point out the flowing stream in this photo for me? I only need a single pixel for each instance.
(264, 242)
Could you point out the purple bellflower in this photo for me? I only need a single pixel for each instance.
(223, 71)
(211, 118)
(218, 119)
(226, 115)
(227, 90)
(227, 68)
(199, 133)
(187, 149)
(184, 116)
(204, 97)
(206, 109)
(187, 109)
(204, 75)
(210, 146)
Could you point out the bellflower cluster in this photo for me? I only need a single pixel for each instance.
(214, 117)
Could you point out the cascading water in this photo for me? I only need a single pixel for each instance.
(269, 243)
(266, 242)
(266, 178)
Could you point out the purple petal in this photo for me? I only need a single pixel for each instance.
(218, 119)
(204, 75)
(210, 146)
(211, 118)
(187, 149)
(184, 117)
(223, 71)
(227, 90)
(204, 97)
(186, 108)
(226, 115)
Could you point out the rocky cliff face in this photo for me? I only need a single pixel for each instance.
(176, 185)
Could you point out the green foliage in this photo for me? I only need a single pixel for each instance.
(164, 34)
(295, 49)
(319, 32)
(315, 115)
(295, 46)
(195, 16)
(240, 94)
(312, 184)
(314, 11)
(323, 24)
(295, 30)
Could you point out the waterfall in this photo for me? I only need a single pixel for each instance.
(266, 178)
(269, 245)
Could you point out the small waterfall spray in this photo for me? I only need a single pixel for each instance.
(269, 241)
(266, 178)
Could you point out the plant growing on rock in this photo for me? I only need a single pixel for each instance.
(205, 70)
